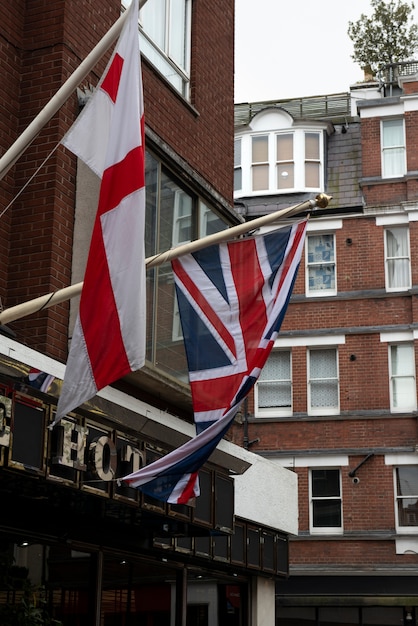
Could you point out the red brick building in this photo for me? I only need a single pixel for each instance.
(337, 401)
(71, 533)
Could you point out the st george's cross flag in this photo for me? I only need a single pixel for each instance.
(108, 340)
(232, 299)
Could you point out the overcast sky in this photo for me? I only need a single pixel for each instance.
(295, 48)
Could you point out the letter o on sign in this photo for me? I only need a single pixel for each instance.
(104, 458)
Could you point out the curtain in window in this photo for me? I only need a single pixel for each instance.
(274, 383)
(321, 262)
(393, 148)
(323, 379)
(397, 257)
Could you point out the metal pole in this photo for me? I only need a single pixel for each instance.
(44, 302)
(64, 92)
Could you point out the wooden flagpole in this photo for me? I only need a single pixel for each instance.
(24, 140)
(44, 302)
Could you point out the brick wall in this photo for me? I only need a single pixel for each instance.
(41, 43)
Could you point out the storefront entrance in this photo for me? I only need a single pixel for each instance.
(83, 588)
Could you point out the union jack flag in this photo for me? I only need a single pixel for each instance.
(232, 299)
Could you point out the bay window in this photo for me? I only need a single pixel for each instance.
(278, 162)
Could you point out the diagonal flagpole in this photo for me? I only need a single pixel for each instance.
(64, 92)
(43, 302)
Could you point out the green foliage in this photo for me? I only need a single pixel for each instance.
(387, 36)
(29, 605)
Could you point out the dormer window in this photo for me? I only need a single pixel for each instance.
(274, 157)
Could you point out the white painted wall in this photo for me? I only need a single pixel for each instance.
(268, 494)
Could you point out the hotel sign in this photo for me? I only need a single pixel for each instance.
(77, 451)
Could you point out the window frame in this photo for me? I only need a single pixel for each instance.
(165, 350)
(318, 293)
(400, 258)
(388, 150)
(274, 411)
(178, 75)
(400, 529)
(322, 530)
(392, 377)
(334, 410)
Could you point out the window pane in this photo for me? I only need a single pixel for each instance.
(182, 204)
(393, 148)
(326, 498)
(296, 616)
(237, 165)
(312, 175)
(284, 147)
(285, 176)
(274, 384)
(321, 262)
(237, 179)
(322, 278)
(277, 366)
(273, 394)
(407, 495)
(312, 146)
(320, 248)
(178, 29)
(403, 392)
(393, 133)
(382, 616)
(407, 480)
(165, 39)
(325, 482)
(339, 615)
(260, 149)
(237, 152)
(153, 16)
(397, 257)
(209, 222)
(260, 177)
(326, 513)
(323, 364)
(323, 380)
(402, 365)
(393, 162)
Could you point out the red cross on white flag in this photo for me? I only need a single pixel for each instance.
(108, 340)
